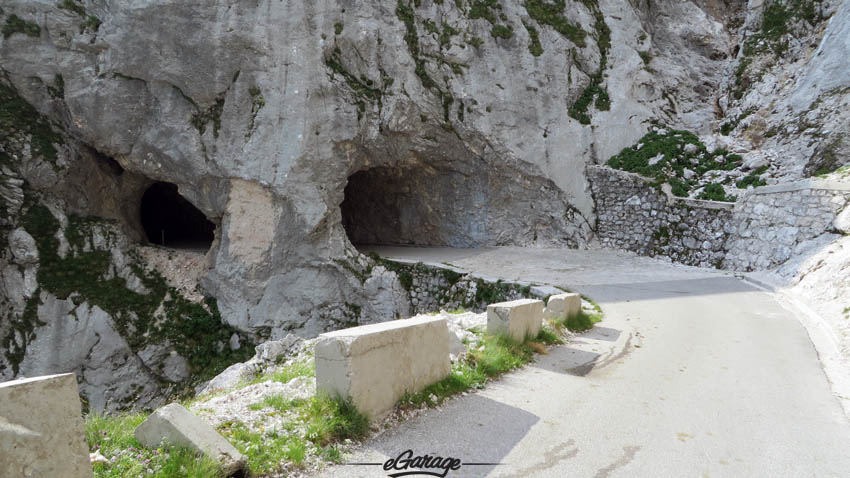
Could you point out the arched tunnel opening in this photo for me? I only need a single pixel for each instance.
(416, 204)
(172, 221)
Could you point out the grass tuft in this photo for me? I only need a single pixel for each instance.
(331, 420)
(579, 322)
(113, 437)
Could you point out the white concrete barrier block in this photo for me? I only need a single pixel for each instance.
(375, 365)
(174, 425)
(562, 306)
(518, 319)
(41, 428)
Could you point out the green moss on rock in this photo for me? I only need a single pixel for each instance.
(19, 117)
(552, 14)
(15, 24)
(87, 274)
(211, 113)
(594, 92)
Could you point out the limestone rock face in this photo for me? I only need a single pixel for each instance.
(262, 114)
(297, 128)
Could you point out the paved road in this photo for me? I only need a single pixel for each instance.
(693, 373)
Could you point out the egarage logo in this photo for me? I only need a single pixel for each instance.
(406, 464)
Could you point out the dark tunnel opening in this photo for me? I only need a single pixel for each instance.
(415, 204)
(170, 220)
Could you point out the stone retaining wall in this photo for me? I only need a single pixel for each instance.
(771, 221)
(636, 216)
(760, 231)
(431, 288)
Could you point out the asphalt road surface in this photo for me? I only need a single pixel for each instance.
(693, 373)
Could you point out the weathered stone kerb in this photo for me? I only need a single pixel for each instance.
(518, 319)
(41, 428)
(375, 365)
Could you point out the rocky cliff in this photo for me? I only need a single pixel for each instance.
(284, 131)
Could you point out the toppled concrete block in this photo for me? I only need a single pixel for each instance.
(518, 319)
(562, 306)
(174, 425)
(375, 365)
(41, 428)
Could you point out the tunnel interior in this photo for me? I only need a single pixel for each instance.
(415, 204)
(172, 221)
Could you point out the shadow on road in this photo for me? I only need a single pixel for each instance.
(602, 333)
(567, 360)
(471, 431)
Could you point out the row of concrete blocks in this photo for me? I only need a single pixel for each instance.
(376, 365)
(42, 432)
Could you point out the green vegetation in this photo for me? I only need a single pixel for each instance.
(113, 437)
(323, 421)
(90, 22)
(843, 172)
(406, 14)
(338, 28)
(19, 117)
(753, 179)
(579, 322)
(494, 356)
(594, 90)
(15, 24)
(211, 113)
(597, 314)
(195, 330)
(742, 79)
(535, 47)
(446, 34)
(484, 9)
(474, 41)
(318, 423)
(73, 6)
(827, 158)
(57, 91)
(671, 152)
(311, 426)
(502, 31)
(781, 18)
(777, 22)
(266, 452)
(552, 14)
(287, 373)
(715, 192)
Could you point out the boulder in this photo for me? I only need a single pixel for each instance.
(174, 425)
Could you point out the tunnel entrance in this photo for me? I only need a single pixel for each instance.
(170, 220)
(415, 204)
